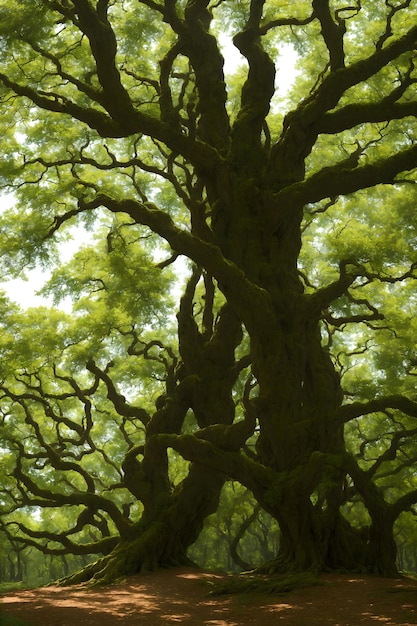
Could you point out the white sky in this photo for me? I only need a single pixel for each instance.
(286, 71)
(23, 291)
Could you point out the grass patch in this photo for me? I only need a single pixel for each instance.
(8, 587)
(263, 584)
(10, 620)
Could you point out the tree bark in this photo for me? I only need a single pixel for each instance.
(162, 541)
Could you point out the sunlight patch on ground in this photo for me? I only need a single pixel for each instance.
(201, 575)
(219, 623)
(371, 617)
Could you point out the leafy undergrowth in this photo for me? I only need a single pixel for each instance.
(8, 587)
(8, 620)
(263, 584)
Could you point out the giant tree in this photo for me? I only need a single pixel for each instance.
(291, 367)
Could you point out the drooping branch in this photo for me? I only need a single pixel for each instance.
(102, 546)
(50, 450)
(118, 400)
(93, 117)
(370, 314)
(353, 115)
(320, 300)
(352, 319)
(133, 122)
(89, 500)
(405, 502)
(391, 452)
(334, 181)
(386, 109)
(354, 410)
(93, 94)
(285, 21)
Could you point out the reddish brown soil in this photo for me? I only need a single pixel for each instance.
(181, 597)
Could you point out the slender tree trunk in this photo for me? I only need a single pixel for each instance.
(381, 546)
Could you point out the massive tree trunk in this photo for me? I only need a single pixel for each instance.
(163, 539)
(301, 438)
(298, 395)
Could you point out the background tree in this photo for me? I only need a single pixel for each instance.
(293, 364)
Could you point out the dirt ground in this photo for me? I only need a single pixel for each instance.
(181, 597)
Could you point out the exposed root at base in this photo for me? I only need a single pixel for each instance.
(258, 583)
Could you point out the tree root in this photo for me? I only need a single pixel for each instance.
(253, 582)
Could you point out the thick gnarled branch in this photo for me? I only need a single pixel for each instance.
(354, 410)
(337, 180)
